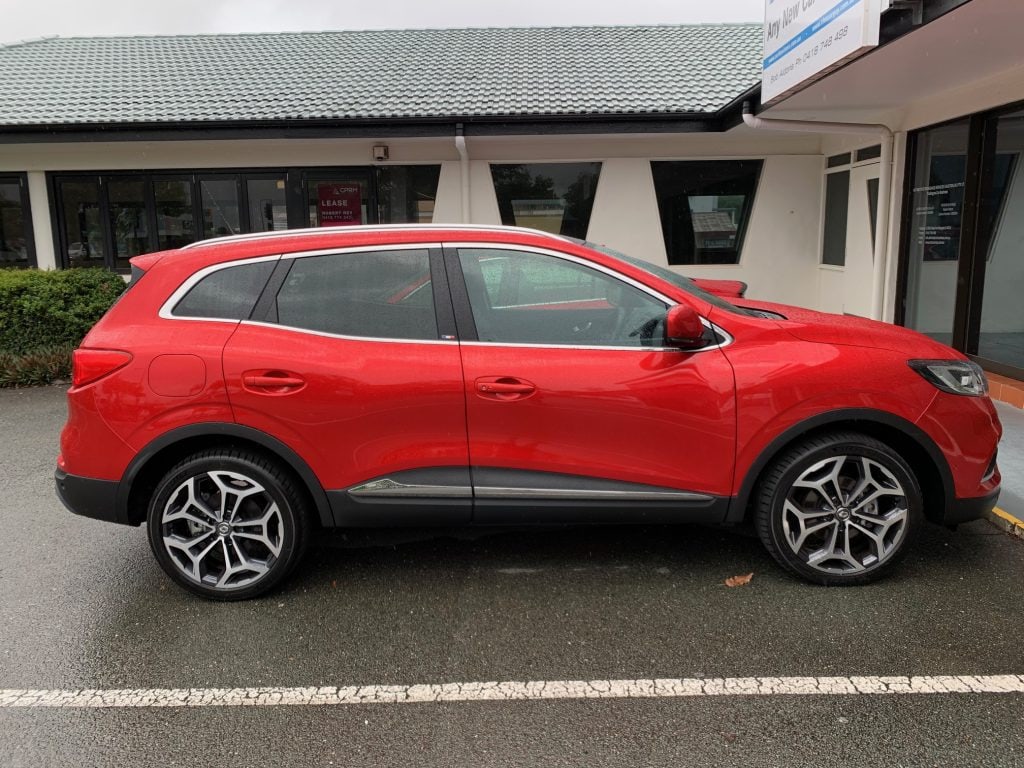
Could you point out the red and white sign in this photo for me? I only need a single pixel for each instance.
(339, 205)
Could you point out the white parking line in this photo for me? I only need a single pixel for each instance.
(512, 691)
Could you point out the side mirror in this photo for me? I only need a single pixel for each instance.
(683, 328)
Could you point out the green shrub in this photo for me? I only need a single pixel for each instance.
(41, 310)
(44, 315)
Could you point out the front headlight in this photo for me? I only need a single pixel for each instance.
(958, 377)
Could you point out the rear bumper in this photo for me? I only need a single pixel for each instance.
(964, 510)
(88, 497)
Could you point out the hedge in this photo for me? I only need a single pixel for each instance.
(44, 315)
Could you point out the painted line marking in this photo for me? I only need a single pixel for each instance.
(1008, 517)
(510, 691)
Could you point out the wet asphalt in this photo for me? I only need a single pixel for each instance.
(83, 604)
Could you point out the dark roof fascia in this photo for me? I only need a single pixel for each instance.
(381, 128)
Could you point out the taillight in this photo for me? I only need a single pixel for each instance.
(88, 365)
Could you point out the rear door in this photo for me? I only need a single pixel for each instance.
(575, 409)
(351, 360)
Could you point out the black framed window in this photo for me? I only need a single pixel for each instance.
(17, 246)
(705, 208)
(837, 206)
(961, 270)
(553, 197)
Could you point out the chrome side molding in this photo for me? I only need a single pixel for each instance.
(386, 488)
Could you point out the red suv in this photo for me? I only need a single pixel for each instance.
(248, 391)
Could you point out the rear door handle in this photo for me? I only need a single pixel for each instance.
(504, 388)
(272, 382)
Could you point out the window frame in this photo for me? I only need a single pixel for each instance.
(746, 212)
(21, 179)
(467, 325)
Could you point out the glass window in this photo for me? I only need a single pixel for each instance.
(837, 208)
(704, 207)
(268, 208)
(174, 217)
(372, 294)
(14, 234)
(1001, 336)
(406, 193)
(338, 202)
(529, 298)
(933, 238)
(81, 221)
(873, 208)
(554, 197)
(228, 294)
(128, 219)
(220, 206)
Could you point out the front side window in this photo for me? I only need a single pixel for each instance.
(374, 294)
(519, 297)
(705, 208)
(553, 197)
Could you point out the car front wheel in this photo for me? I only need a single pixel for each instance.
(839, 509)
(226, 524)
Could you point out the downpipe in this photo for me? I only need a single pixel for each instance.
(460, 147)
(881, 246)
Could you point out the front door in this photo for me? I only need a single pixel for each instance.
(574, 407)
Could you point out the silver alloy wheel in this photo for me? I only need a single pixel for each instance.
(845, 514)
(222, 529)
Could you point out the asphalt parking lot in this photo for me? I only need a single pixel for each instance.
(83, 605)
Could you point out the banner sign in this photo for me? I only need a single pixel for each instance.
(806, 39)
(339, 205)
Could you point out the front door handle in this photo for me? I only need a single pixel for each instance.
(504, 388)
(272, 382)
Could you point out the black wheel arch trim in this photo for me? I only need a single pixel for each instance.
(849, 418)
(215, 429)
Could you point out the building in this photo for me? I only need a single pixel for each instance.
(630, 136)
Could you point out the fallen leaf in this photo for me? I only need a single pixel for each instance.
(739, 581)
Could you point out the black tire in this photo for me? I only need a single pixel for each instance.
(825, 555)
(252, 550)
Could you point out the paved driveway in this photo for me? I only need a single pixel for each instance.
(83, 605)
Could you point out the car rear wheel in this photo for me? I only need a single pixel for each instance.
(839, 509)
(227, 525)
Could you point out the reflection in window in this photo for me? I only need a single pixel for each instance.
(406, 193)
(14, 239)
(268, 209)
(554, 197)
(128, 221)
(373, 294)
(82, 228)
(175, 225)
(220, 207)
(705, 207)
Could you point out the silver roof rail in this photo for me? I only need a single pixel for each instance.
(281, 233)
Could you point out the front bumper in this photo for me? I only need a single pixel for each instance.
(88, 497)
(964, 510)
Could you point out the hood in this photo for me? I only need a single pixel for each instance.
(854, 331)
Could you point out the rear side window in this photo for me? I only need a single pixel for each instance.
(375, 294)
(227, 294)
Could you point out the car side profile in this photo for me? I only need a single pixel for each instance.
(248, 392)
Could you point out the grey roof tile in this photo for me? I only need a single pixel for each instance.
(392, 74)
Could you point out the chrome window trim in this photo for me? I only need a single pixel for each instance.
(727, 337)
(344, 337)
(168, 306)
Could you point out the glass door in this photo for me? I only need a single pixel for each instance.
(341, 198)
(266, 202)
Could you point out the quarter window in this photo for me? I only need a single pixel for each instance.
(227, 294)
(376, 294)
(705, 207)
(531, 298)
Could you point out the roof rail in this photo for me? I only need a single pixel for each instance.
(282, 233)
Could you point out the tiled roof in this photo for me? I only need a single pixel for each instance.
(390, 74)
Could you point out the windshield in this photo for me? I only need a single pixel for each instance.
(680, 281)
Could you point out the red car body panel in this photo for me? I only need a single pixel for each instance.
(360, 409)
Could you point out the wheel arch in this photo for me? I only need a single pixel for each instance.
(930, 467)
(150, 464)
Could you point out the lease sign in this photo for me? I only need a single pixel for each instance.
(339, 205)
